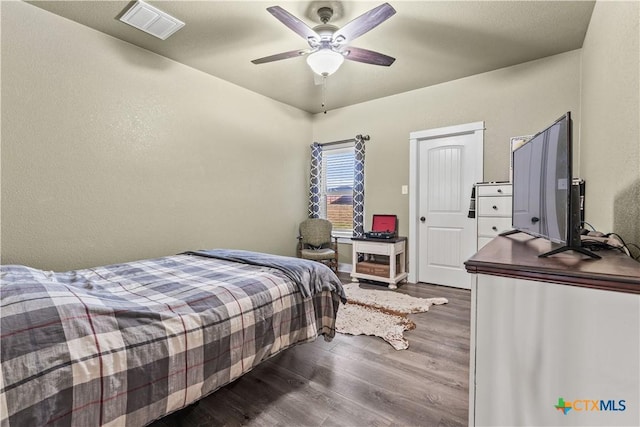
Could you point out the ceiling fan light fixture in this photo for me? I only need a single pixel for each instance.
(325, 62)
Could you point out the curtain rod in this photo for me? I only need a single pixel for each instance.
(364, 138)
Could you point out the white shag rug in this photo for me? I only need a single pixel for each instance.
(380, 313)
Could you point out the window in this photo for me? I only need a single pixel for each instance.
(336, 197)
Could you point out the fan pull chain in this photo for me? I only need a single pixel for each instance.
(324, 93)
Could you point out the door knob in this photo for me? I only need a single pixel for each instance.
(422, 219)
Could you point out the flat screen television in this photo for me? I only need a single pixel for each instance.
(545, 203)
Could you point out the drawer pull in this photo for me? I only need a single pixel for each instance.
(494, 228)
(495, 207)
(499, 190)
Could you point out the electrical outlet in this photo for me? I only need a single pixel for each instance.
(405, 189)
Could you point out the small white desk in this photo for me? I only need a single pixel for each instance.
(394, 248)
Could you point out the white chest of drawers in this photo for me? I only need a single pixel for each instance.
(493, 210)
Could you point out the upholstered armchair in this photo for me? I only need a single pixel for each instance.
(315, 242)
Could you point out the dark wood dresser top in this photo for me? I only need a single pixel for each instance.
(517, 256)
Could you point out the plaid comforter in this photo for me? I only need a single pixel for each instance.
(126, 344)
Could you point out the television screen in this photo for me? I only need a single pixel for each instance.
(545, 202)
(542, 183)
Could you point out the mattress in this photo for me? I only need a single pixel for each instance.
(126, 344)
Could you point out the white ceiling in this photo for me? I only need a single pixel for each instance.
(432, 41)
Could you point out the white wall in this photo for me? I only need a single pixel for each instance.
(111, 153)
(513, 101)
(610, 131)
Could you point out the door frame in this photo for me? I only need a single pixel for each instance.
(415, 138)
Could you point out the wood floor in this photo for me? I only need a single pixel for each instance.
(356, 380)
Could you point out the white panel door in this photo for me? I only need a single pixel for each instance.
(447, 166)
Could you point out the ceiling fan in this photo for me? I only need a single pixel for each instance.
(328, 44)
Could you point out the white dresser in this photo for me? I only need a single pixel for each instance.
(546, 329)
(493, 210)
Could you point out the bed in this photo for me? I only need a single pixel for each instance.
(126, 344)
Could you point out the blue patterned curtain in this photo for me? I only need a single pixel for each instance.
(358, 188)
(314, 180)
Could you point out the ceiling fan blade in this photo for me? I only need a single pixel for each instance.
(294, 23)
(283, 55)
(367, 56)
(364, 23)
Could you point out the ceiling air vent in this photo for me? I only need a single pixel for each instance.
(151, 20)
